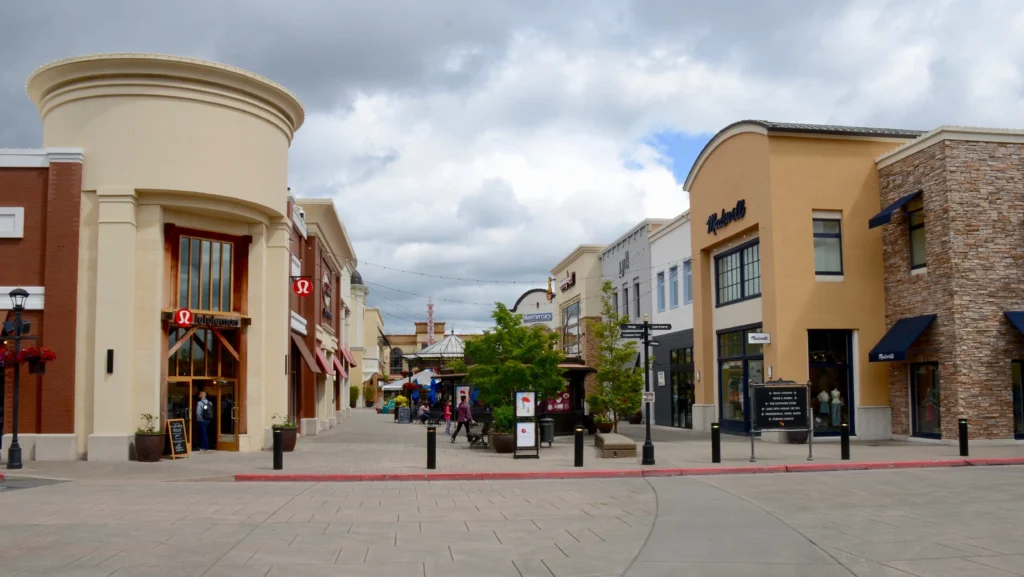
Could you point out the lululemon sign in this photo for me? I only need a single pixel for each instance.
(302, 287)
(183, 318)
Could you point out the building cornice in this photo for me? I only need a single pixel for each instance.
(38, 157)
(942, 133)
(578, 252)
(644, 224)
(673, 225)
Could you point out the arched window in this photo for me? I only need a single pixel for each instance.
(396, 361)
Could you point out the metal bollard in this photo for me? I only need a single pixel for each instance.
(963, 438)
(431, 447)
(716, 443)
(278, 449)
(579, 446)
(844, 441)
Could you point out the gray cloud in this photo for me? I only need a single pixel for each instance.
(493, 205)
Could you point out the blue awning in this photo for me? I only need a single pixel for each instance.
(885, 217)
(896, 342)
(1017, 318)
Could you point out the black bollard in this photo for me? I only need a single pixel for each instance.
(579, 446)
(963, 438)
(431, 447)
(844, 441)
(716, 443)
(278, 449)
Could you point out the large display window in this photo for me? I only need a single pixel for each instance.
(571, 330)
(831, 376)
(739, 364)
(1018, 399)
(925, 400)
(681, 367)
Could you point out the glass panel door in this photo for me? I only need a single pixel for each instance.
(1018, 399)
(227, 417)
(733, 395)
(924, 398)
(179, 405)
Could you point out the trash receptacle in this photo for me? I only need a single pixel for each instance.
(547, 430)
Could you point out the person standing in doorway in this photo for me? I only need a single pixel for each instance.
(204, 414)
(447, 417)
(465, 418)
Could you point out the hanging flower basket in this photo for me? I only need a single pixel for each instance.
(36, 358)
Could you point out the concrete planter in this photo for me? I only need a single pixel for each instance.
(149, 447)
(503, 442)
(288, 438)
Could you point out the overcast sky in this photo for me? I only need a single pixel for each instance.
(485, 139)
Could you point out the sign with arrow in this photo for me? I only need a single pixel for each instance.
(631, 327)
(660, 327)
(654, 344)
(631, 335)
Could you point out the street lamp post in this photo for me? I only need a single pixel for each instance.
(18, 298)
(648, 449)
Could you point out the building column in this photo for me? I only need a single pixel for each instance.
(114, 328)
(268, 335)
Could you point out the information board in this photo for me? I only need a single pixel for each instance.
(780, 408)
(525, 404)
(526, 435)
(178, 438)
(404, 415)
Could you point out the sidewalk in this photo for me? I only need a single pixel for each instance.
(373, 446)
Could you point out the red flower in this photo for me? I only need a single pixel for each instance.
(6, 356)
(36, 354)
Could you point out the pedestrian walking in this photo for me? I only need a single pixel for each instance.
(447, 417)
(204, 416)
(465, 418)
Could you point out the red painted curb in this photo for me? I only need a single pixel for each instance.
(618, 474)
(996, 461)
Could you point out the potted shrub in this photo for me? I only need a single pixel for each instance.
(604, 424)
(36, 357)
(636, 418)
(370, 394)
(149, 441)
(289, 431)
(353, 396)
(503, 427)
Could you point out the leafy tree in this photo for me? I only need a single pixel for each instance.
(513, 357)
(458, 366)
(619, 386)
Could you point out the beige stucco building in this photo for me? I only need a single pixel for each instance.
(185, 161)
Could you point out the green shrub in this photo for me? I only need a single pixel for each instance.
(504, 419)
(353, 396)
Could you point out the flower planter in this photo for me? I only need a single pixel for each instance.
(503, 442)
(370, 404)
(605, 427)
(637, 418)
(36, 367)
(288, 437)
(149, 447)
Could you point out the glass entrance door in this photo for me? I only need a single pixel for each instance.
(925, 400)
(740, 364)
(222, 431)
(198, 360)
(179, 406)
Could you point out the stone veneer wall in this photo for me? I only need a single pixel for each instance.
(973, 195)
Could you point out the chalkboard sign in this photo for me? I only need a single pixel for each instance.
(780, 408)
(179, 440)
(404, 415)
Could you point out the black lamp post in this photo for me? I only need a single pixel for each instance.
(18, 298)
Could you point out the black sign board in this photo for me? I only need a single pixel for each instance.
(404, 415)
(178, 438)
(654, 344)
(631, 327)
(631, 335)
(780, 408)
(660, 327)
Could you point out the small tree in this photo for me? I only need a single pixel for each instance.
(619, 387)
(514, 357)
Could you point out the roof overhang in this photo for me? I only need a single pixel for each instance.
(1002, 135)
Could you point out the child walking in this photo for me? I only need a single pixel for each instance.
(448, 417)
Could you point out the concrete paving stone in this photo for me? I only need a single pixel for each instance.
(591, 567)
(532, 568)
(344, 540)
(294, 555)
(614, 532)
(399, 569)
(571, 523)
(63, 572)
(452, 514)
(517, 525)
(474, 568)
(352, 555)
(682, 569)
(544, 513)
(898, 534)
(160, 571)
(969, 550)
(553, 536)
(443, 526)
(290, 529)
(1011, 563)
(238, 555)
(606, 549)
(887, 552)
(434, 551)
(870, 569)
(948, 568)
(454, 537)
(237, 571)
(475, 551)
(379, 527)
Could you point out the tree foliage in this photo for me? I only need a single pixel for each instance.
(619, 385)
(513, 357)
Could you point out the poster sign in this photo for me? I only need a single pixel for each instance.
(661, 378)
(461, 391)
(562, 403)
(781, 408)
(525, 404)
(526, 435)
(176, 434)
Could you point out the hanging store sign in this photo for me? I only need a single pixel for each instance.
(759, 339)
(302, 287)
(185, 318)
(568, 282)
(537, 318)
(716, 221)
(624, 265)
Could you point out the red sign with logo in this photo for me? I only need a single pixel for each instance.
(302, 287)
(183, 318)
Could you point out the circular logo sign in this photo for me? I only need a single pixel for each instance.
(183, 318)
(302, 287)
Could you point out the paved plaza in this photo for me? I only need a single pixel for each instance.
(934, 523)
(369, 443)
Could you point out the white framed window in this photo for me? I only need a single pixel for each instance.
(12, 222)
(687, 282)
(673, 287)
(661, 292)
(828, 246)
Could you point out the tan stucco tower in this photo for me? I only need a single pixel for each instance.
(184, 196)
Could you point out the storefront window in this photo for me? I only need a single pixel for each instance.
(925, 398)
(681, 366)
(738, 274)
(831, 379)
(204, 275)
(571, 329)
(739, 365)
(1018, 399)
(915, 214)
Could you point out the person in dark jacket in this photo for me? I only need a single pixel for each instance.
(465, 418)
(204, 415)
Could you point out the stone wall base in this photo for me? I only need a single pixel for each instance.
(703, 416)
(873, 424)
(27, 443)
(112, 448)
(308, 427)
(53, 447)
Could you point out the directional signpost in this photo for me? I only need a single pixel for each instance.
(643, 331)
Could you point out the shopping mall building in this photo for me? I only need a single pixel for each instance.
(162, 186)
(882, 266)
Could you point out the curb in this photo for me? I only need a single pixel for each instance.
(629, 473)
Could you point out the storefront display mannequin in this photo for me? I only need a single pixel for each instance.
(823, 407)
(837, 405)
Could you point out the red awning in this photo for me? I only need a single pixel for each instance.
(304, 353)
(321, 359)
(348, 357)
(342, 373)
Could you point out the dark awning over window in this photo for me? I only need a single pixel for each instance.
(896, 342)
(1017, 318)
(885, 217)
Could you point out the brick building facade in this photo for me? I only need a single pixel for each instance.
(969, 187)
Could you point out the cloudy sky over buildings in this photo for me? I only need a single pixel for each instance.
(483, 140)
